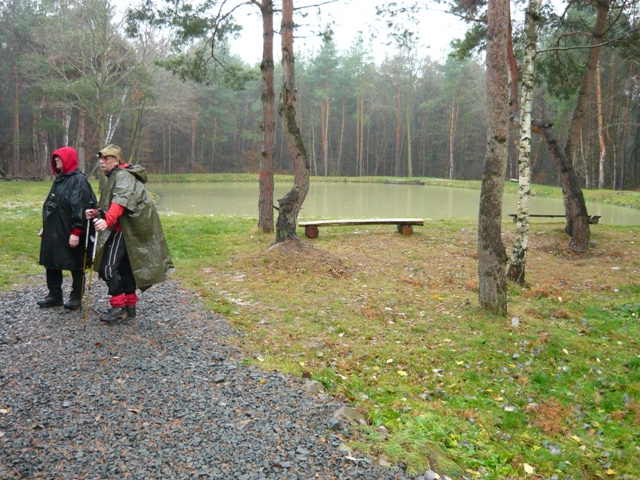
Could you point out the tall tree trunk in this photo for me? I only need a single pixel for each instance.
(586, 165)
(396, 163)
(409, 156)
(193, 137)
(324, 128)
(492, 291)
(169, 149)
(267, 96)
(291, 203)
(625, 123)
(341, 140)
(214, 141)
(610, 126)
(66, 122)
(579, 243)
(603, 146)
(80, 146)
(452, 133)
(360, 136)
(577, 222)
(517, 264)
(16, 121)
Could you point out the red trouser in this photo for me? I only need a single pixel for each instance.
(115, 269)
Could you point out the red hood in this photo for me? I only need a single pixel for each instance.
(69, 158)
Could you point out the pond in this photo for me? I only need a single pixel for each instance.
(361, 200)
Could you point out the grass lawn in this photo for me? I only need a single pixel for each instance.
(390, 324)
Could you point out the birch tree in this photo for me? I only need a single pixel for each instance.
(516, 271)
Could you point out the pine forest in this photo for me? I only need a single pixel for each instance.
(80, 73)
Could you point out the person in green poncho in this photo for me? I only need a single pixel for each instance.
(131, 249)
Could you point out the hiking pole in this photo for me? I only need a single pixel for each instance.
(86, 300)
(84, 259)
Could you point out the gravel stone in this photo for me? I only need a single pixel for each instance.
(163, 396)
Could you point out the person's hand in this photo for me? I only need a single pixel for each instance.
(91, 213)
(40, 232)
(101, 225)
(74, 240)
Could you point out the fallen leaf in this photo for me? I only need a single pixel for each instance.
(528, 469)
(402, 373)
(611, 472)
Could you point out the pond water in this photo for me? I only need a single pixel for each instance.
(361, 200)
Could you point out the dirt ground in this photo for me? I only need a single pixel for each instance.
(441, 257)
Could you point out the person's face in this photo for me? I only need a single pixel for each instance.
(58, 163)
(108, 163)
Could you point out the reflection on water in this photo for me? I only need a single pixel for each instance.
(361, 200)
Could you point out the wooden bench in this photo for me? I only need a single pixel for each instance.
(593, 219)
(404, 225)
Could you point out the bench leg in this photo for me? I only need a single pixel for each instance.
(311, 231)
(405, 229)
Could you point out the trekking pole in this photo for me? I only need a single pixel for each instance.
(86, 300)
(84, 259)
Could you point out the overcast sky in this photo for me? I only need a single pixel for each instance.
(435, 28)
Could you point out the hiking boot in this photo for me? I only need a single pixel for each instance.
(50, 301)
(73, 303)
(114, 315)
(131, 311)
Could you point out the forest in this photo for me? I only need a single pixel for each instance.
(74, 72)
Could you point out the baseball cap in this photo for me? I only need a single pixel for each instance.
(111, 151)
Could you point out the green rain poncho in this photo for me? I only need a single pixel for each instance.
(141, 227)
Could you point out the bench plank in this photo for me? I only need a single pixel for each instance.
(404, 224)
(362, 221)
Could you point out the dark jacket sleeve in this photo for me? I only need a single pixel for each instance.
(81, 198)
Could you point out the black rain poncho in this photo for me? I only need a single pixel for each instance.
(63, 211)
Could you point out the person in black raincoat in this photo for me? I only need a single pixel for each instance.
(63, 230)
(131, 248)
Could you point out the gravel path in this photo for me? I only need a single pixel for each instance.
(161, 396)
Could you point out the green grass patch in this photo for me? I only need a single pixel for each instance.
(391, 325)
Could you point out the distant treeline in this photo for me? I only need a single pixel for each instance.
(70, 76)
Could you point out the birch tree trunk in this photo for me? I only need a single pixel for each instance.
(516, 270)
(291, 203)
(492, 291)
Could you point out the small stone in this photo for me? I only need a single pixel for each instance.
(314, 387)
(351, 415)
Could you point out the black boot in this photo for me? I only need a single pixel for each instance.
(73, 303)
(50, 300)
(75, 298)
(131, 311)
(114, 315)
